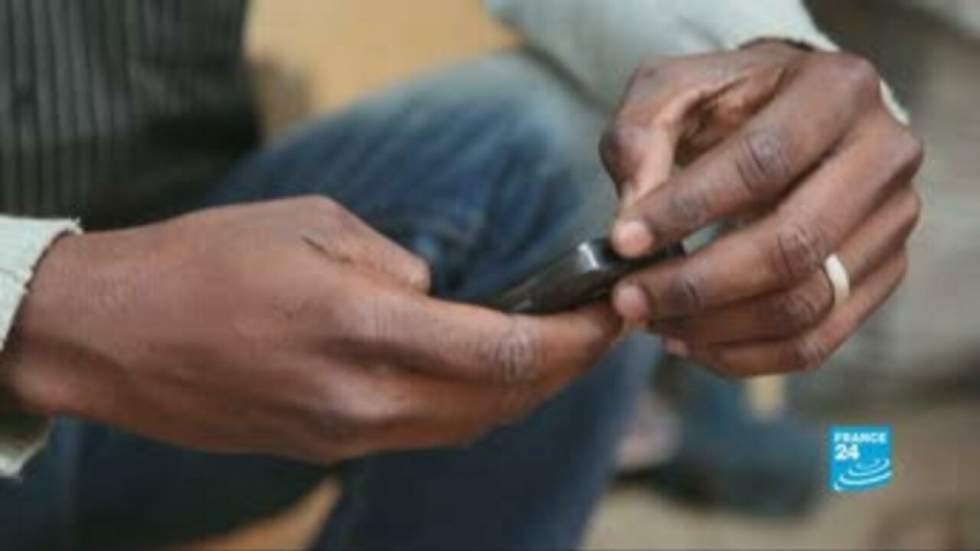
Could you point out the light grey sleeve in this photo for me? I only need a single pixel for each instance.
(600, 42)
(23, 242)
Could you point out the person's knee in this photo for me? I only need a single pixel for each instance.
(519, 89)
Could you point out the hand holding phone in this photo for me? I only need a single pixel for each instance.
(579, 276)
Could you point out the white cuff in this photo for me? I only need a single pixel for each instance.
(21, 437)
(23, 242)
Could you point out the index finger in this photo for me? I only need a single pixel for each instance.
(460, 341)
(756, 164)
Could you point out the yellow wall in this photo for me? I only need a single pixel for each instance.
(343, 48)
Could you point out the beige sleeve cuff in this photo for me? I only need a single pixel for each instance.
(23, 242)
(21, 437)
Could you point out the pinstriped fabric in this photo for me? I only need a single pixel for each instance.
(116, 106)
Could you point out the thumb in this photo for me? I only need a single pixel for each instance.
(640, 146)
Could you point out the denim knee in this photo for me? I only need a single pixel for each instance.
(483, 169)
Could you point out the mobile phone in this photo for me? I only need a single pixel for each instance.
(581, 275)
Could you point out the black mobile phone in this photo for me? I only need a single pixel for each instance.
(579, 276)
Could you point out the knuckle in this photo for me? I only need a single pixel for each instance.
(688, 207)
(345, 421)
(373, 416)
(337, 216)
(335, 422)
(806, 353)
(864, 75)
(797, 311)
(621, 143)
(320, 204)
(337, 396)
(912, 210)
(902, 156)
(911, 150)
(355, 415)
(857, 73)
(800, 250)
(687, 293)
(319, 211)
(515, 356)
(763, 161)
(419, 273)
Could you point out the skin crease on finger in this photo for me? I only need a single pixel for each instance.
(769, 98)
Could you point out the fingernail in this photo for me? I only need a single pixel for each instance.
(676, 347)
(632, 237)
(631, 302)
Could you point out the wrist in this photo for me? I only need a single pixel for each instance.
(46, 364)
(27, 362)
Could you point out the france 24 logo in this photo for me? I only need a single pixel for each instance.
(860, 457)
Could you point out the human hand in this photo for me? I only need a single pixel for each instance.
(287, 327)
(800, 149)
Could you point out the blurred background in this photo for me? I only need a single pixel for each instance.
(916, 366)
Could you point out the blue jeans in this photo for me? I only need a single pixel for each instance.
(485, 170)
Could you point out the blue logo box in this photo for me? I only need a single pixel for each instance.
(860, 457)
